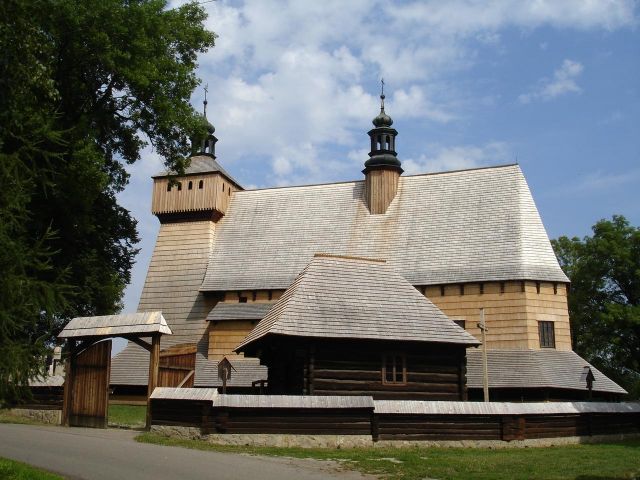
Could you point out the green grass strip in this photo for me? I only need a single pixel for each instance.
(12, 470)
(615, 461)
(127, 415)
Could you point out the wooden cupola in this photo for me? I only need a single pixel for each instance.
(383, 169)
(203, 192)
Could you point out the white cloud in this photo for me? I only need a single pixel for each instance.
(458, 157)
(597, 181)
(562, 83)
(289, 74)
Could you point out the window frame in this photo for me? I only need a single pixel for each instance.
(547, 334)
(389, 359)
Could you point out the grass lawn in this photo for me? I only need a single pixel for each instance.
(12, 470)
(580, 462)
(127, 415)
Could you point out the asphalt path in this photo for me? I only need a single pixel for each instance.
(83, 453)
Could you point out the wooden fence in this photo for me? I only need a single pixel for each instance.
(389, 420)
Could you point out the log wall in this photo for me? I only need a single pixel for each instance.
(290, 421)
(512, 311)
(433, 372)
(385, 426)
(438, 427)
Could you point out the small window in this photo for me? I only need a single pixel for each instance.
(179, 186)
(547, 335)
(555, 288)
(537, 287)
(522, 286)
(462, 289)
(394, 369)
(229, 190)
(223, 187)
(190, 187)
(442, 290)
(242, 299)
(481, 288)
(200, 184)
(460, 323)
(502, 287)
(270, 295)
(168, 187)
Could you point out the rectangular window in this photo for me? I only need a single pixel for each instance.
(547, 335)
(394, 369)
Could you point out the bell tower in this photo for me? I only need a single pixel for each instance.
(383, 169)
(203, 192)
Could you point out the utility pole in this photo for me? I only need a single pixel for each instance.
(485, 368)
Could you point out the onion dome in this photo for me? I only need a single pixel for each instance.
(382, 120)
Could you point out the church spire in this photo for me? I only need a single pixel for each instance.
(383, 168)
(207, 145)
(383, 140)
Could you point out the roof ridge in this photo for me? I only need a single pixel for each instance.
(303, 185)
(349, 257)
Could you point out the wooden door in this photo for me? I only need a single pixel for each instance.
(90, 388)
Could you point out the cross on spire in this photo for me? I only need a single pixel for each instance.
(206, 89)
(382, 95)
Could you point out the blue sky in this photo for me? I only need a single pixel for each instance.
(553, 85)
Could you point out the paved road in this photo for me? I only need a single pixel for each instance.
(81, 453)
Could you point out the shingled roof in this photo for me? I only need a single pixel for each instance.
(467, 226)
(116, 325)
(548, 368)
(200, 164)
(350, 297)
(238, 311)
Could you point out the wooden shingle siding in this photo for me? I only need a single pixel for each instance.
(175, 273)
(511, 316)
(227, 335)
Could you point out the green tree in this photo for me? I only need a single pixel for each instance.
(84, 86)
(604, 302)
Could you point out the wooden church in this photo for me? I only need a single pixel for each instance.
(372, 286)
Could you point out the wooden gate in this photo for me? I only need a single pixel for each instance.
(177, 366)
(89, 403)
